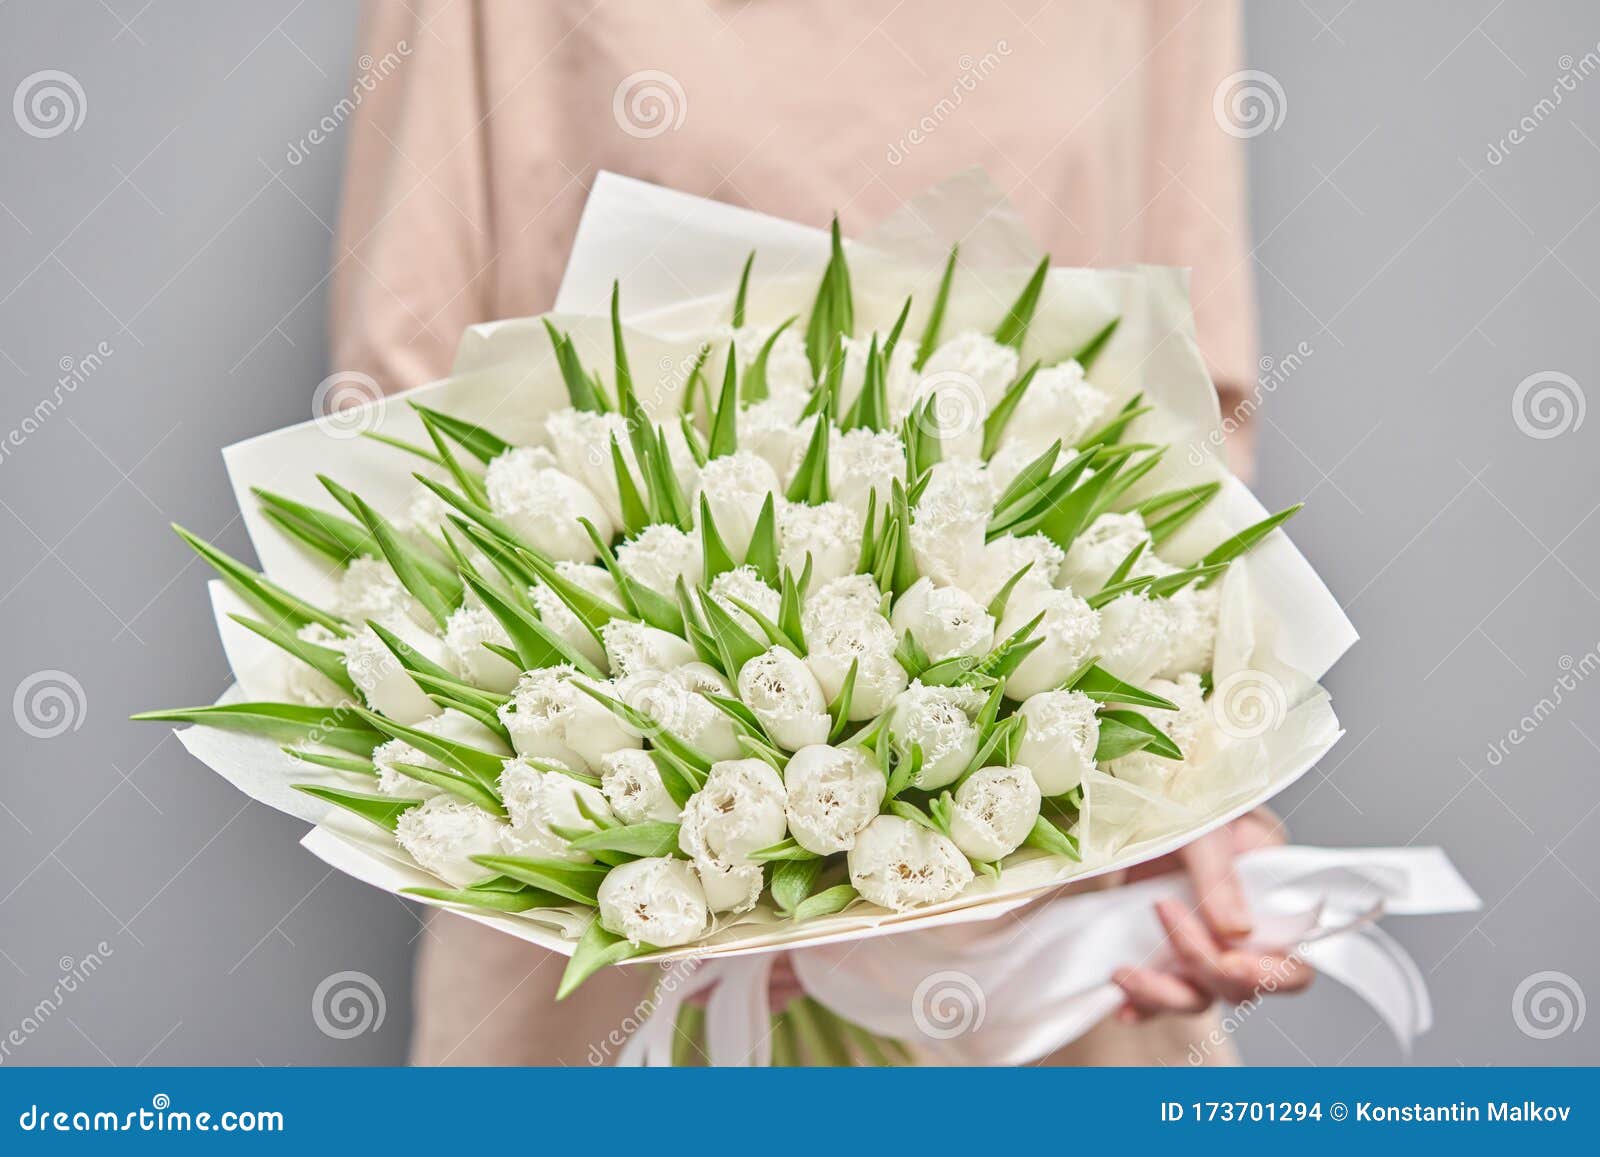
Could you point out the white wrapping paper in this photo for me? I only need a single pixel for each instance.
(505, 377)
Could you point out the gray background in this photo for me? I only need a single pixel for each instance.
(1426, 281)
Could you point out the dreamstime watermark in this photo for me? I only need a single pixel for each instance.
(48, 103)
(348, 1004)
(74, 973)
(1273, 372)
(347, 404)
(1548, 1004)
(672, 978)
(49, 703)
(1573, 73)
(648, 103)
(372, 70)
(1573, 673)
(1248, 103)
(958, 408)
(1248, 704)
(948, 1004)
(1277, 970)
(1548, 404)
(973, 71)
(75, 371)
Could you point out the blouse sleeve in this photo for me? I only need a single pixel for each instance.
(415, 244)
(1196, 177)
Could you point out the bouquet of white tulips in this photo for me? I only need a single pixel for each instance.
(900, 602)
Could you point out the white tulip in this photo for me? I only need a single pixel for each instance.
(979, 358)
(739, 810)
(744, 584)
(1059, 741)
(992, 568)
(556, 615)
(635, 649)
(945, 621)
(676, 703)
(899, 864)
(864, 462)
(1193, 613)
(539, 802)
(833, 793)
(656, 901)
(995, 809)
(465, 633)
(1135, 636)
(550, 718)
(1097, 551)
(786, 697)
(1069, 629)
(863, 639)
(898, 375)
(788, 367)
(829, 533)
(1058, 405)
(729, 887)
(443, 834)
(949, 524)
(852, 593)
(384, 683)
(940, 721)
(542, 506)
(581, 442)
(306, 684)
(774, 429)
(369, 591)
(735, 487)
(632, 785)
(659, 555)
(1192, 727)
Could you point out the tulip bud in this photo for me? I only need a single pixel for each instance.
(945, 621)
(660, 555)
(940, 721)
(1095, 553)
(900, 865)
(542, 506)
(465, 633)
(995, 809)
(1059, 741)
(632, 785)
(444, 833)
(830, 533)
(1068, 630)
(735, 487)
(657, 901)
(786, 697)
(834, 792)
(540, 801)
(739, 810)
(865, 640)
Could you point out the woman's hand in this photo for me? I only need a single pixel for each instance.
(1211, 962)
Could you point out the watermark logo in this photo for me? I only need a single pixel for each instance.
(1548, 404)
(1548, 1004)
(1249, 103)
(1572, 72)
(348, 1004)
(1248, 703)
(49, 103)
(370, 70)
(972, 72)
(958, 407)
(347, 404)
(649, 103)
(947, 1005)
(49, 703)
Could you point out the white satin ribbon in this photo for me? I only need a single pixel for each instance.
(1015, 989)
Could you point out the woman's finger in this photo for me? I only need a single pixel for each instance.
(1209, 862)
(1204, 961)
(1151, 993)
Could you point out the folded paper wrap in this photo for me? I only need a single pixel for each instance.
(998, 994)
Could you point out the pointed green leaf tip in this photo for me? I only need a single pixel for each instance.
(1013, 330)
